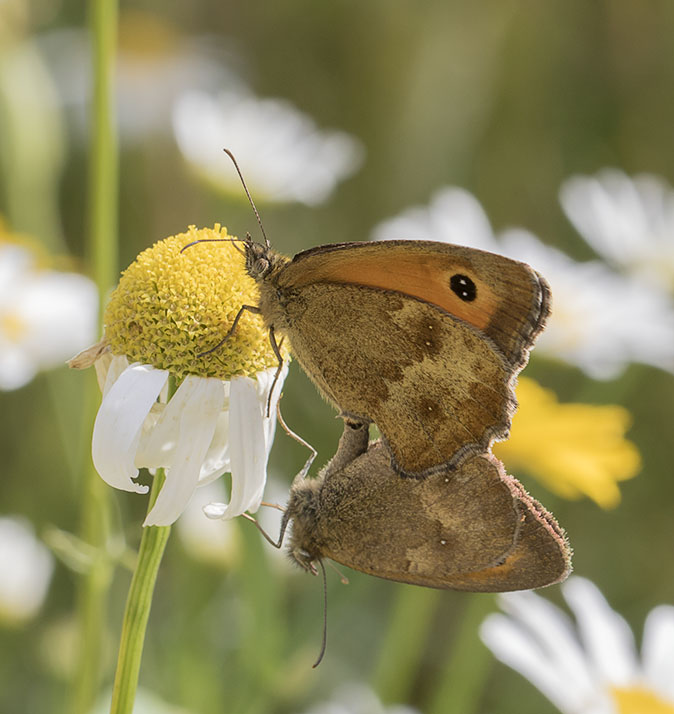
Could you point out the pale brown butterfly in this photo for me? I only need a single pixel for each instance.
(472, 528)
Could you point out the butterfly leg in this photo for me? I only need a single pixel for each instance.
(269, 539)
(305, 469)
(244, 308)
(277, 351)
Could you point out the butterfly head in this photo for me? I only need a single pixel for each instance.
(261, 260)
(304, 547)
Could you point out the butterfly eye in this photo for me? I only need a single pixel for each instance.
(261, 266)
(464, 287)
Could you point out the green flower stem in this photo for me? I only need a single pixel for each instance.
(103, 177)
(463, 676)
(103, 166)
(137, 611)
(404, 644)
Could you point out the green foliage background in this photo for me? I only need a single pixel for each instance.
(506, 98)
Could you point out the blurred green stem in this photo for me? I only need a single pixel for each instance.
(137, 611)
(405, 640)
(103, 177)
(463, 676)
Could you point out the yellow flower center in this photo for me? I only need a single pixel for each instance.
(12, 327)
(640, 701)
(171, 307)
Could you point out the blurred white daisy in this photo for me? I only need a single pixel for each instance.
(592, 666)
(601, 321)
(284, 156)
(357, 699)
(167, 311)
(45, 315)
(628, 221)
(155, 63)
(26, 567)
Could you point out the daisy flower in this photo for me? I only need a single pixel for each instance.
(167, 311)
(45, 315)
(574, 449)
(590, 666)
(26, 567)
(285, 156)
(155, 64)
(628, 221)
(601, 321)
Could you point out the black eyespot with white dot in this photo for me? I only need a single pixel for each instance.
(463, 287)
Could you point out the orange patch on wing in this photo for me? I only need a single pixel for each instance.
(425, 277)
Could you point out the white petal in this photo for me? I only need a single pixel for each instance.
(265, 380)
(283, 154)
(16, 366)
(108, 370)
(658, 650)
(203, 403)
(215, 510)
(629, 221)
(119, 422)
(601, 321)
(161, 434)
(216, 462)
(453, 215)
(556, 637)
(520, 650)
(26, 566)
(248, 453)
(608, 639)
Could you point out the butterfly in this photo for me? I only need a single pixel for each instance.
(472, 528)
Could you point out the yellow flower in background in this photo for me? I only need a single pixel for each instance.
(574, 449)
(169, 308)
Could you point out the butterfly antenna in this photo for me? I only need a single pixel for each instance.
(324, 644)
(250, 198)
(233, 241)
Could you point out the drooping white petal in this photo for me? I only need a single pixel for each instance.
(250, 440)
(608, 639)
(265, 381)
(216, 462)
(247, 450)
(199, 409)
(108, 371)
(119, 423)
(657, 650)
